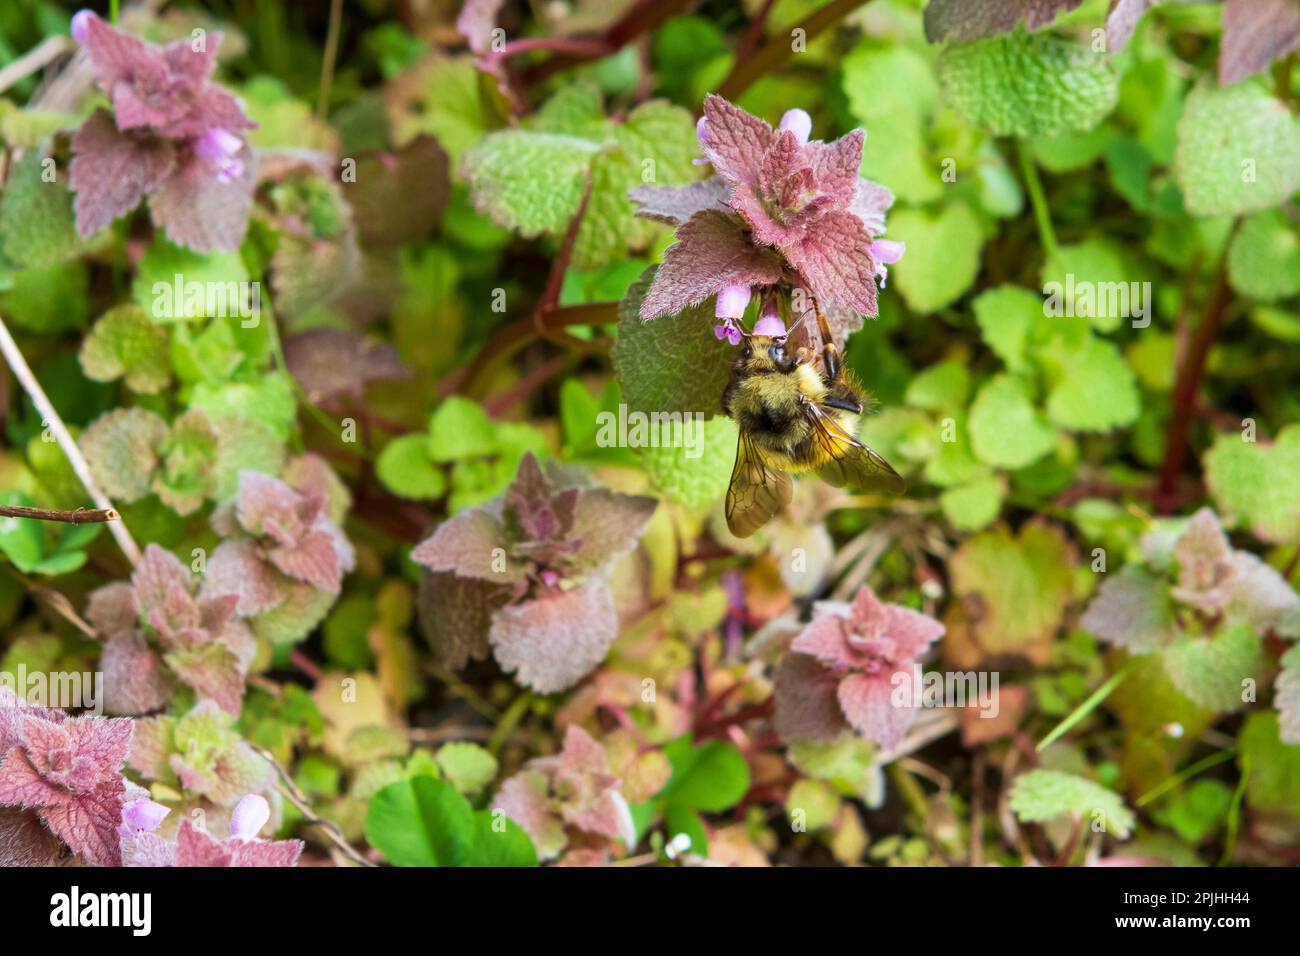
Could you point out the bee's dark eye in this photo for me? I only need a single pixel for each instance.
(777, 353)
(746, 352)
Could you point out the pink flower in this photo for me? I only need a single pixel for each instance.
(731, 304)
(249, 816)
(783, 210)
(143, 814)
(886, 252)
(797, 122)
(842, 668)
(220, 147)
(80, 25)
(769, 323)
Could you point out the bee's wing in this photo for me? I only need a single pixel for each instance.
(850, 462)
(757, 491)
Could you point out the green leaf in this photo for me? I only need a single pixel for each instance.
(1198, 811)
(404, 468)
(423, 821)
(697, 476)
(1211, 671)
(1021, 585)
(1258, 483)
(37, 225)
(1028, 84)
(446, 97)
(21, 539)
(528, 181)
(460, 429)
(122, 448)
(420, 821)
(975, 505)
(1006, 430)
(1274, 782)
(711, 777)
(943, 255)
(941, 387)
(47, 299)
(1092, 280)
(1041, 795)
(672, 363)
(1097, 391)
(1264, 259)
(124, 343)
(1238, 150)
(468, 766)
(173, 284)
(1005, 316)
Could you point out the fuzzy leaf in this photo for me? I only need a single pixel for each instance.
(1028, 84)
(942, 258)
(112, 171)
(1097, 392)
(125, 343)
(1041, 795)
(1238, 150)
(1013, 591)
(955, 20)
(122, 448)
(690, 365)
(1132, 610)
(37, 225)
(1006, 430)
(467, 766)
(551, 642)
(1255, 33)
(1259, 484)
(1211, 671)
(696, 478)
(1264, 259)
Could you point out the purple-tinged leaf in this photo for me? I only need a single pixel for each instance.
(112, 171)
(1255, 33)
(552, 642)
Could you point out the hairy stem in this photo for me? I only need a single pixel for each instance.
(52, 420)
(1186, 385)
(781, 47)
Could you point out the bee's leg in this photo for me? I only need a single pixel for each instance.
(841, 397)
(831, 363)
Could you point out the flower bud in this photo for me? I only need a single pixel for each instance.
(80, 25)
(799, 123)
(732, 301)
(249, 816)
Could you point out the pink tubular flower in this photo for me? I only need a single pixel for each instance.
(731, 305)
(769, 323)
(144, 814)
(886, 252)
(798, 122)
(843, 670)
(220, 147)
(80, 25)
(249, 816)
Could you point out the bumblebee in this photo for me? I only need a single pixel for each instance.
(795, 417)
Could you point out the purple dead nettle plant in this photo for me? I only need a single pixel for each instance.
(1203, 606)
(173, 136)
(782, 212)
(60, 775)
(843, 669)
(523, 577)
(283, 552)
(196, 632)
(569, 800)
(194, 846)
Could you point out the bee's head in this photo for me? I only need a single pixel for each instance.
(763, 354)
